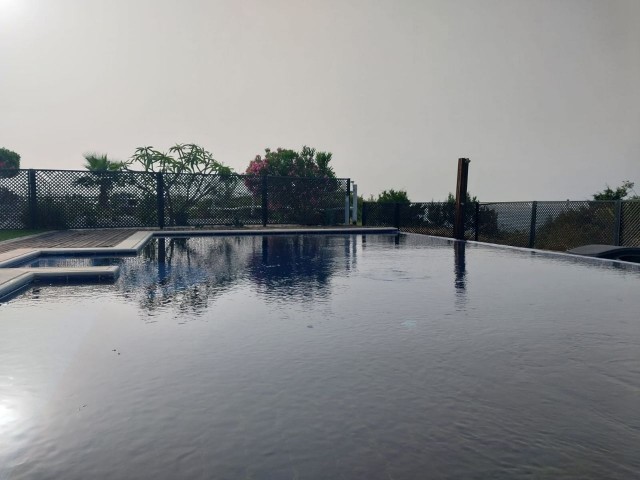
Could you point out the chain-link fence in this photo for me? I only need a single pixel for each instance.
(429, 218)
(630, 224)
(545, 225)
(83, 199)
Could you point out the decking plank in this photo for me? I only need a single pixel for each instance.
(72, 239)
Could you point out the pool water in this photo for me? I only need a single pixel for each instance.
(325, 357)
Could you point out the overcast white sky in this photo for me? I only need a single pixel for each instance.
(542, 95)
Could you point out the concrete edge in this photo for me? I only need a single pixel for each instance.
(15, 284)
(69, 273)
(25, 276)
(277, 231)
(19, 258)
(535, 251)
(136, 241)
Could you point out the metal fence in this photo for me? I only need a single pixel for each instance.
(545, 225)
(82, 199)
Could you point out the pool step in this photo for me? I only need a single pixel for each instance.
(14, 279)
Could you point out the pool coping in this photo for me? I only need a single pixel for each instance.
(14, 278)
(537, 251)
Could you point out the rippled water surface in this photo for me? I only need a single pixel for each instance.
(325, 357)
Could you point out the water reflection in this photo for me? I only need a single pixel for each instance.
(298, 266)
(460, 273)
(184, 273)
(188, 273)
(460, 267)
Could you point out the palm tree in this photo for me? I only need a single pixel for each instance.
(102, 176)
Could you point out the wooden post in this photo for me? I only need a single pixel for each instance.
(461, 197)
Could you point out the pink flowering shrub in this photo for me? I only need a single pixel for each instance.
(300, 182)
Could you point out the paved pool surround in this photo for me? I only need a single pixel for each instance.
(13, 278)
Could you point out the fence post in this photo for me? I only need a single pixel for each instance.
(160, 198)
(354, 208)
(461, 198)
(396, 215)
(364, 213)
(476, 222)
(347, 202)
(532, 230)
(265, 203)
(33, 200)
(617, 225)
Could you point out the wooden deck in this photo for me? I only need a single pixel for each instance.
(71, 238)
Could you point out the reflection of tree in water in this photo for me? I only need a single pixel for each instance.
(299, 266)
(184, 273)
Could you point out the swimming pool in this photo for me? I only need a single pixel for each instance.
(336, 356)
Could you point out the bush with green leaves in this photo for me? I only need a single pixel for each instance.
(9, 163)
(190, 175)
(302, 186)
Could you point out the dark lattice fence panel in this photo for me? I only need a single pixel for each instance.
(82, 199)
(428, 218)
(199, 200)
(306, 201)
(376, 214)
(134, 200)
(566, 225)
(505, 223)
(630, 225)
(14, 199)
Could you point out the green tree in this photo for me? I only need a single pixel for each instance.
(190, 175)
(623, 192)
(181, 158)
(313, 198)
(393, 196)
(9, 160)
(284, 162)
(103, 174)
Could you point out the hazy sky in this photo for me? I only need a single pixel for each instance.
(542, 95)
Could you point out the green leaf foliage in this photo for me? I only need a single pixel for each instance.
(9, 160)
(285, 162)
(393, 196)
(181, 158)
(190, 173)
(623, 192)
(103, 174)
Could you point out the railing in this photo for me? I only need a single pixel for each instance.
(546, 225)
(82, 199)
